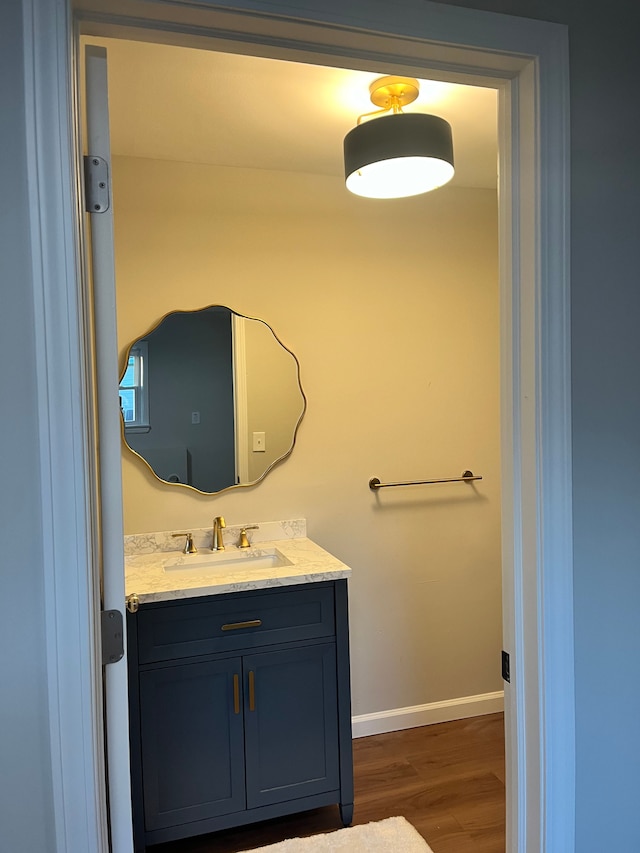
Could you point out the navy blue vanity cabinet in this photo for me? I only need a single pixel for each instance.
(240, 709)
(190, 725)
(291, 727)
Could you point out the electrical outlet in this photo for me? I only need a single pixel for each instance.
(195, 417)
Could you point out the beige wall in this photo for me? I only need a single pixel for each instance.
(392, 309)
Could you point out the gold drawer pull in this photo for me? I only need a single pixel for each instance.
(236, 694)
(233, 626)
(252, 691)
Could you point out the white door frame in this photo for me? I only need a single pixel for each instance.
(100, 289)
(240, 409)
(528, 60)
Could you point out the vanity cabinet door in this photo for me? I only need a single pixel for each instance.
(191, 742)
(291, 724)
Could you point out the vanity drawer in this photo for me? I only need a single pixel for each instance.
(240, 621)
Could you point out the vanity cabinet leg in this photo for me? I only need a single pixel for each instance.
(346, 813)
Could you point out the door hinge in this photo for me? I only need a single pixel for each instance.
(506, 667)
(96, 184)
(112, 636)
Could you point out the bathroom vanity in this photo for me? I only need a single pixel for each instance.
(239, 686)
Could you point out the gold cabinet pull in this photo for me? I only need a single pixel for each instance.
(252, 690)
(233, 626)
(236, 694)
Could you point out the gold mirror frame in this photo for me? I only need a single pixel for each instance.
(296, 427)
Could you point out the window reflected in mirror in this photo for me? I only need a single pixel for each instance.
(134, 398)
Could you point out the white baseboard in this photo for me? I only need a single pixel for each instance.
(425, 715)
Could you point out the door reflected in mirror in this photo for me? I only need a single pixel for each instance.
(211, 399)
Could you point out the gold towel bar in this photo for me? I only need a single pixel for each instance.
(467, 476)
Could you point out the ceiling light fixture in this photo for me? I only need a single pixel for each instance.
(401, 154)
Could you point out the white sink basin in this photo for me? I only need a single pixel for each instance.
(264, 558)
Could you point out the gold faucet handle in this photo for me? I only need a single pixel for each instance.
(189, 547)
(243, 542)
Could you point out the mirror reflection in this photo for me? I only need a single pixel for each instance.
(211, 399)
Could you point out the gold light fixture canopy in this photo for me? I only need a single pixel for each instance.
(401, 154)
(393, 93)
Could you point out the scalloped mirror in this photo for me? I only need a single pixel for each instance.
(211, 399)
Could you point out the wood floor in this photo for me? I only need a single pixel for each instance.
(446, 779)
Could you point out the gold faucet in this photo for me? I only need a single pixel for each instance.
(217, 542)
(189, 547)
(243, 541)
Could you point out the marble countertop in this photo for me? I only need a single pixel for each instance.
(147, 577)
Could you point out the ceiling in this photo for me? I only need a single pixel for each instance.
(201, 106)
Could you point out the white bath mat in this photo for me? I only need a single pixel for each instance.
(392, 835)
